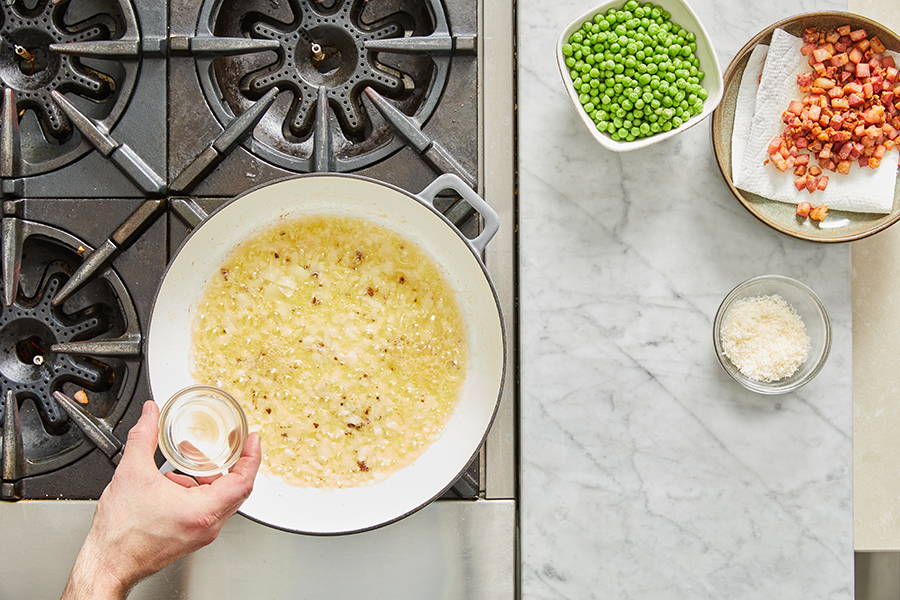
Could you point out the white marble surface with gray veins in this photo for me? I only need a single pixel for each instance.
(646, 472)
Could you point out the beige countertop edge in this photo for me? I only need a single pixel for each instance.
(876, 367)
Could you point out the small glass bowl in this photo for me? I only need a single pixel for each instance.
(808, 306)
(202, 430)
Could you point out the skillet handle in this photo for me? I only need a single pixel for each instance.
(489, 217)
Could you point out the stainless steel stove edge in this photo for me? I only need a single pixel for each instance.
(451, 550)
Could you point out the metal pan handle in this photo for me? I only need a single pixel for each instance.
(489, 218)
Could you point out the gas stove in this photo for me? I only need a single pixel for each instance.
(124, 122)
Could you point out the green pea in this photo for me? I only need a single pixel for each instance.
(602, 126)
(589, 107)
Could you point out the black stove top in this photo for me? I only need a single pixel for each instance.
(119, 116)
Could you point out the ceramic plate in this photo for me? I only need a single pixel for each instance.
(840, 226)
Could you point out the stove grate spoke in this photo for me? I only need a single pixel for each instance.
(129, 345)
(432, 44)
(124, 235)
(13, 465)
(10, 139)
(93, 428)
(239, 127)
(227, 46)
(122, 155)
(323, 146)
(13, 236)
(100, 48)
(431, 150)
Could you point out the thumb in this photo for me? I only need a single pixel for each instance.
(141, 444)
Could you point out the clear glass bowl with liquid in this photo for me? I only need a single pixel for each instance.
(202, 430)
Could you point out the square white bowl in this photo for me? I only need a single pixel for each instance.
(682, 14)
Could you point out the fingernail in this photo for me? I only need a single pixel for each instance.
(146, 407)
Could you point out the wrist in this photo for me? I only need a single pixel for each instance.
(92, 577)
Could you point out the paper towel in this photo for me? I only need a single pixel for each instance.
(863, 190)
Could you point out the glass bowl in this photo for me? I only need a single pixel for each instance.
(202, 430)
(808, 306)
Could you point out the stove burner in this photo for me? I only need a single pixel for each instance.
(323, 51)
(27, 330)
(326, 55)
(35, 61)
(45, 348)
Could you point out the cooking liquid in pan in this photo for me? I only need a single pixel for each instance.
(343, 342)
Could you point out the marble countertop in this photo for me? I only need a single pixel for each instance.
(646, 472)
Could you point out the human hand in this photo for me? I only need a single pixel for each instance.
(146, 520)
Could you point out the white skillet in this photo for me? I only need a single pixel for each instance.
(338, 511)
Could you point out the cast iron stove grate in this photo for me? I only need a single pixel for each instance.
(76, 347)
(87, 50)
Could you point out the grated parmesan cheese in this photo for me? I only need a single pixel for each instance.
(765, 338)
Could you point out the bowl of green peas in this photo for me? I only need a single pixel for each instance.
(639, 72)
